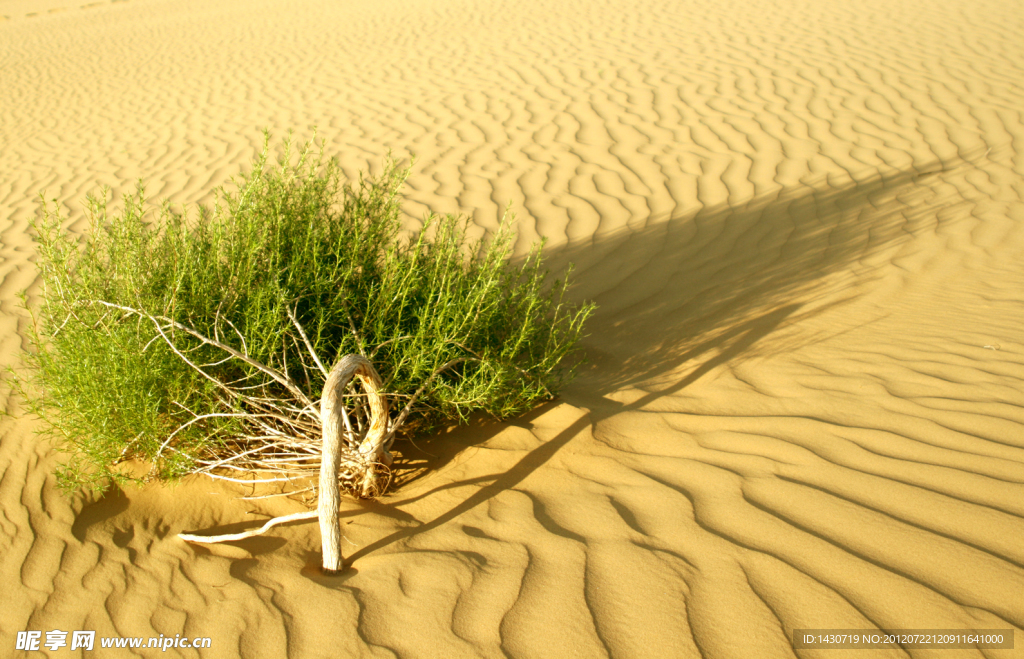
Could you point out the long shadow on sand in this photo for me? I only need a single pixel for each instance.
(706, 289)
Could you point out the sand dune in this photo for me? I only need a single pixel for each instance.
(804, 407)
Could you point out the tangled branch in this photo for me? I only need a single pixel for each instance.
(281, 437)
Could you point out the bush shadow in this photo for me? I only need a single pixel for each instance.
(707, 288)
(96, 511)
(672, 291)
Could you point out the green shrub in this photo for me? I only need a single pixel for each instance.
(130, 341)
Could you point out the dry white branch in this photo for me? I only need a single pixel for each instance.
(231, 537)
(279, 441)
(305, 339)
(272, 372)
(370, 450)
(357, 463)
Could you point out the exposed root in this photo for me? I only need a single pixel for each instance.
(231, 537)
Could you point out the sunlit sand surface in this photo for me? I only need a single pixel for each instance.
(804, 403)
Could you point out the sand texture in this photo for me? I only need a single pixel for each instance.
(803, 222)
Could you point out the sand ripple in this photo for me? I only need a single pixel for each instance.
(804, 406)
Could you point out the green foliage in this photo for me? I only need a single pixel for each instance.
(290, 237)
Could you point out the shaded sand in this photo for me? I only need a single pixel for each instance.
(804, 406)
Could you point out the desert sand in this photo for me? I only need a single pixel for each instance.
(804, 403)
